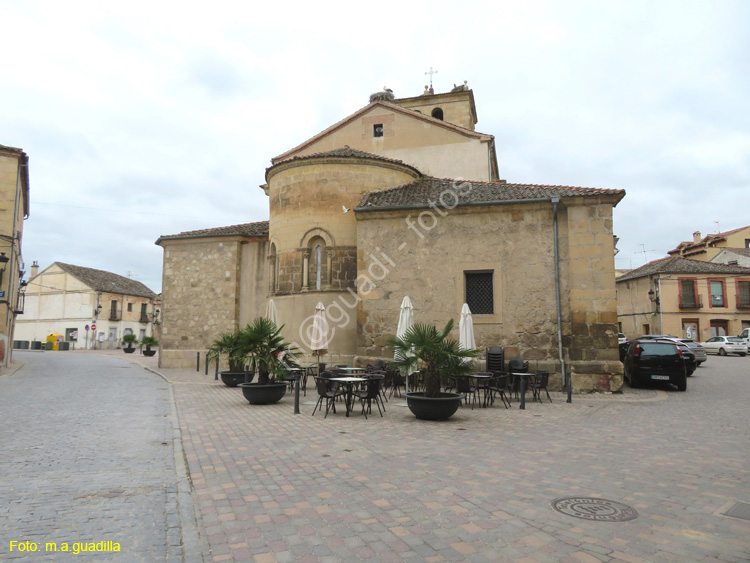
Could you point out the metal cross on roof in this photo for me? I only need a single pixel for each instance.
(430, 73)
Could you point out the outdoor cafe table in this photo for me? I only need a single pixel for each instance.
(523, 376)
(349, 383)
(484, 377)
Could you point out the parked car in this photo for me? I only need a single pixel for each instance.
(656, 359)
(697, 349)
(621, 338)
(691, 360)
(724, 345)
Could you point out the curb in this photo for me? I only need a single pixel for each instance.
(195, 547)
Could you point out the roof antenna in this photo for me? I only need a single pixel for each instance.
(718, 230)
(644, 251)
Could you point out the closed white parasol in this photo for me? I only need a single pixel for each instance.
(405, 322)
(271, 313)
(466, 330)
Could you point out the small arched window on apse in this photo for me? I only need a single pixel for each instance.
(318, 265)
(437, 113)
(318, 257)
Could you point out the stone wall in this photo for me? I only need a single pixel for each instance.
(200, 294)
(425, 255)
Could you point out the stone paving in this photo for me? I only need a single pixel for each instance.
(269, 485)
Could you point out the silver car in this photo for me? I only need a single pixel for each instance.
(724, 345)
(698, 350)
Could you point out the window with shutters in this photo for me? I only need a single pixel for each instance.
(716, 290)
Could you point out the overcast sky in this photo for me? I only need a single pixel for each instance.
(143, 119)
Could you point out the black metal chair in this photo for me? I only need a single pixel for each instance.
(495, 359)
(500, 385)
(465, 386)
(371, 393)
(517, 365)
(541, 379)
(398, 382)
(381, 375)
(328, 391)
(378, 366)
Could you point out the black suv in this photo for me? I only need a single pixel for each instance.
(656, 359)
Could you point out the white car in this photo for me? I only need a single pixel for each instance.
(724, 345)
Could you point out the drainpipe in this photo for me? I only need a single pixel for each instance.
(567, 383)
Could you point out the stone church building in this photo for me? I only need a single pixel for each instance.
(401, 198)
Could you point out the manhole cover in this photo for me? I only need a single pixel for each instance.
(599, 509)
(739, 510)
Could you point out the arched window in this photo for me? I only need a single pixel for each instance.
(318, 265)
(437, 113)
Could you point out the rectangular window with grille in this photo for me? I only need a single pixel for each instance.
(479, 292)
(743, 294)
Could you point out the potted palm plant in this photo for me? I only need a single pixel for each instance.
(129, 341)
(149, 341)
(439, 357)
(233, 345)
(271, 356)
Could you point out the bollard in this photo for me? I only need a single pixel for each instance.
(198, 361)
(206, 364)
(216, 373)
(523, 392)
(296, 394)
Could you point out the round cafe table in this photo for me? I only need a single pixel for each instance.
(349, 383)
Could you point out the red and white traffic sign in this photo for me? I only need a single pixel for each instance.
(93, 326)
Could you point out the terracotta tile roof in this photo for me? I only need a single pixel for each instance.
(688, 247)
(424, 191)
(259, 229)
(344, 152)
(100, 280)
(678, 265)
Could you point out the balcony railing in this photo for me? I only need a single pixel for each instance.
(691, 302)
(144, 318)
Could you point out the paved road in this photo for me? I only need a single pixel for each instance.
(86, 456)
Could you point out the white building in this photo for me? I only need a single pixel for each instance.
(87, 307)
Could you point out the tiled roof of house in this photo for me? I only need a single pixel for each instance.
(678, 265)
(427, 190)
(688, 247)
(258, 229)
(100, 280)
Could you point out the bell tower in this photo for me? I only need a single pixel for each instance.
(456, 107)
